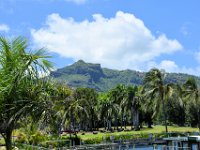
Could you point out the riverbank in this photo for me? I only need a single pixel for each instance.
(143, 133)
(104, 137)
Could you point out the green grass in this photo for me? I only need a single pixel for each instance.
(2, 141)
(145, 130)
(90, 138)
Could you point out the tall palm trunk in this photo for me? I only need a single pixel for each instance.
(136, 120)
(132, 111)
(121, 121)
(135, 115)
(122, 118)
(110, 127)
(116, 122)
(164, 112)
(104, 123)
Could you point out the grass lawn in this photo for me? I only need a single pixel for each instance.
(2, 141)
(145, 130)
(91, 138)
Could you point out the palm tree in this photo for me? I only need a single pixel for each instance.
(131, 102)
(176, 107)
(19, 72)
(88, 98)
(74, 110)
(108, 110)
(54, 115)
(154, 87)
(136, 102)
(192, 94)
(118, 95)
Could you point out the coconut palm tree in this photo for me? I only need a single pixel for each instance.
(131, 102)
(108, 110)
(118, 95)
(57, 95)
(155, 89)
(20, 71)
(88, 99)
(74, 110)
(176, 107)
(192, 94)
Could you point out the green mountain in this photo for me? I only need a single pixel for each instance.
(82, 74)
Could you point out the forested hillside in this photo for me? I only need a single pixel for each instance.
(82, 74)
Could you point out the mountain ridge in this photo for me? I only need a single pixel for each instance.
(82, 74)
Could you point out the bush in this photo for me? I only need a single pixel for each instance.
(93, 141)
(21, 138)
(31, 139)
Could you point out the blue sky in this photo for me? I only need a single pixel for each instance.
(119, 34)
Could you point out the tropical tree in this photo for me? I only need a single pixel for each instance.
(118, 95)
(192, 94)
(155, 89)
(74, 110)
(176, 106)
(88, 100)
(108, 110)
(131, 102)
(20, 71)
(148, 109)
(53, 117)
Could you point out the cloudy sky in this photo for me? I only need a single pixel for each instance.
(118, 34)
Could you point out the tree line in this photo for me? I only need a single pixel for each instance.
(28, 98)
(154, 102)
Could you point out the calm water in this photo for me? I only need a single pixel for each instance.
(159, 147)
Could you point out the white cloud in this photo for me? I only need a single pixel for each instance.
(189, 70)
(172, 67)
(4, 28)
(120, 42)
(77, 1)
(167, 65)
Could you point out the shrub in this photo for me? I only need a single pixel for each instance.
(92, 141)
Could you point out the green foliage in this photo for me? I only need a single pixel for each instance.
(81, 74)
(20, 85)
(35, 138)
(39, 106)
(156, 131)
(93, 141)
(56, 143)
(30, 133)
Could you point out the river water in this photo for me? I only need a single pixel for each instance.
(159, 147)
